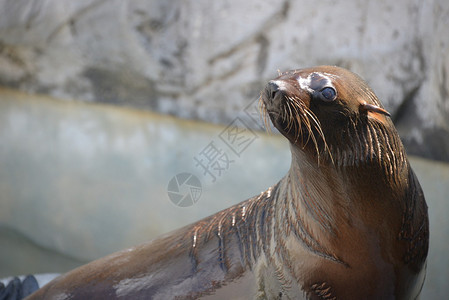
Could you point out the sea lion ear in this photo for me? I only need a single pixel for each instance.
(367, 108)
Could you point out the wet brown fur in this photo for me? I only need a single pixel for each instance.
(348, 221)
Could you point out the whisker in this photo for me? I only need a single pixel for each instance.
(308, 127)
(298, 114)
(318, 128)
(288, 115)
(264, 115)
(300, 118)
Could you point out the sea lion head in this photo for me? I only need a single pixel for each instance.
(328, 112)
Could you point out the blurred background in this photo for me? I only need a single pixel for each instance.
(102, 103)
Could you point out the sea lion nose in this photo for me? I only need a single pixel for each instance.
(273, 89)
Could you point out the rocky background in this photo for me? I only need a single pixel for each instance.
(207, 59)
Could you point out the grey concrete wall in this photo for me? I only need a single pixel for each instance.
(205, 59)
(78, 181)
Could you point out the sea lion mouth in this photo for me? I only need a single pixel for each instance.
(286, 105)
(283, 109)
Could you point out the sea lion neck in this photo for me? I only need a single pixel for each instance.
(328, 193)
(316, 202)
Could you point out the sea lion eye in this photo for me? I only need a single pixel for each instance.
(328, 94)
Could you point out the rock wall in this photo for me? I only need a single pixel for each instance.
(208, 59)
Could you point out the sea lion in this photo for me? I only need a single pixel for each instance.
(348, 221)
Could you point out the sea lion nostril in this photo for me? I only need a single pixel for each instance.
(273, 89)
